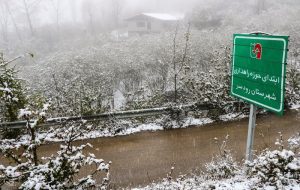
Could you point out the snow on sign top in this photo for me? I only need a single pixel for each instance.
(159, 16)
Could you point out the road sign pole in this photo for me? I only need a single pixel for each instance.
(252, 79)
(251, 128)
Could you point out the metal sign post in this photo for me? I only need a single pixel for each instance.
(251, 129)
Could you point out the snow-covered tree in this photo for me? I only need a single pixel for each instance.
(12, 95)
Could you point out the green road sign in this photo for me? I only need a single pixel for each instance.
(258, 69)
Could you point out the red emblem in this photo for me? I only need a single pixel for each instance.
(256, 51)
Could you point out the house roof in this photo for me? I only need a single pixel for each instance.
(159, 16)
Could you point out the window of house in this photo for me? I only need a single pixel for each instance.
(140, 24)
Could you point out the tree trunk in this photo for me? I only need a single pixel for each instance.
(13, 21)
(34, 147)
(175, 88)
(28, 18)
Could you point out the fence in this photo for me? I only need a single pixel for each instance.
(117, 115)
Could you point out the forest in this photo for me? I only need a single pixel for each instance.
(74, 58)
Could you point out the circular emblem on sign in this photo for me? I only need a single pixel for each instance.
(256, 51)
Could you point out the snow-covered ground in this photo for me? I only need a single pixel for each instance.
(154, 126)
(50, 137)
(238, 182)
(232, 116)
(295, 106)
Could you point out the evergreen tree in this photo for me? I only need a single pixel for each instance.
(12, 97)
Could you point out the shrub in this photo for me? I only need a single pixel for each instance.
(278, 167)
(223, 165)
(54, 172)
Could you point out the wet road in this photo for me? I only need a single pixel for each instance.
(141, 158)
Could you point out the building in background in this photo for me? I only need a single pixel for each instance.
(146, 23)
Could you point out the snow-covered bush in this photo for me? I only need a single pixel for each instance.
(211, 83)
(278, 167)
(11, 92)
(168, 122)
(59, 171)
(12, 97)
(56, 171)
(115, 126)
(293, 85)
(294, 143)
(222, 165)
(174, 119)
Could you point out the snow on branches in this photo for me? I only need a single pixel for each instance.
(222, 165)
(278, 168)
(12, 95)
(58, 171)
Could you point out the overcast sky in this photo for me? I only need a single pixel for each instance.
(44, 11)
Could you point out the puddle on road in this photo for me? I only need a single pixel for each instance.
(145, 157)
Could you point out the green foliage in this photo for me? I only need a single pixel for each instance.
(293, 84)
(12, 95)
(59, 171)
(211, 86)
(10, 133)
(278, 167)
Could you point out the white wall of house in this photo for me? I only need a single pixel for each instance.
(145, 26)
(157, 26)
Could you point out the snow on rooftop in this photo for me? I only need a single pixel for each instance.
(161, 16)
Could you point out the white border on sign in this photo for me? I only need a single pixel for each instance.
(282, 74)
